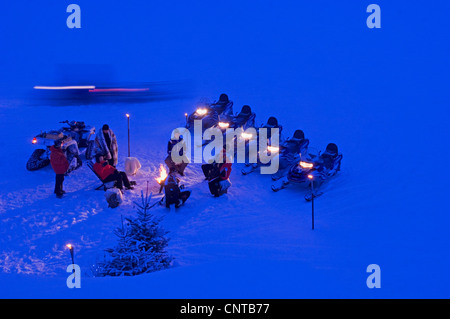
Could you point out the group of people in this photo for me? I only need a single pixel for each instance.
(216, 173)
(106, 158)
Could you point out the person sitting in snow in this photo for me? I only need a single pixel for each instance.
(106, 145)
(218, 175)
(174, 192)
(109, 173)
(60, 164)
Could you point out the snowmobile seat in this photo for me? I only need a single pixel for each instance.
(298, 134)
(337, 163)
(245, 117)
(331, 159)
(245, 111)
(272, 122)
(331, 149)
(223, 97)
(298, 144)
(299, 140)
(223, 108)
(223, 105)
(104, 185)
(335, 167)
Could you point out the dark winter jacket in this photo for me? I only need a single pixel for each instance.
(172, 143)
(58, 160)
(171, 189)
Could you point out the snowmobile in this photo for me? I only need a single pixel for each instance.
(272, 122)
(209, 113)
(244, 119)
(74, 136)
(251, 139)
(290, 151)
(313, 168)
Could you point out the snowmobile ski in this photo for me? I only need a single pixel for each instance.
(249, 169)
(278, 175)
(279, 185)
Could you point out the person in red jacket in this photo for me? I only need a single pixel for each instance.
(59, 163)
(109, 173)
(219, 184)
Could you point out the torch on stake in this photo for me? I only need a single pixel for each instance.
(186, 116)
(128, 120)
(312, 199)
(71, 254)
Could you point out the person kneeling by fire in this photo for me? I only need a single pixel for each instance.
(175, 194)
(109, 173)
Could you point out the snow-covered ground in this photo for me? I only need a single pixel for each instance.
(252, 242)
(381, 97)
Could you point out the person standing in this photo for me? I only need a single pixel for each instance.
(177, 145)
(60, 164)
(106, 145)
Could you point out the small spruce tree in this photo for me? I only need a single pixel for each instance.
(141, 246)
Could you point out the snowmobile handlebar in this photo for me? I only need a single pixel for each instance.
(72, 124)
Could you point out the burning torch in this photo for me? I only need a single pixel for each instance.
(128, 120)
(70, 246)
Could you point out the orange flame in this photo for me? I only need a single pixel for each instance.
(162, 174)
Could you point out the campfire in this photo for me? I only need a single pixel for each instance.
(162, 175)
